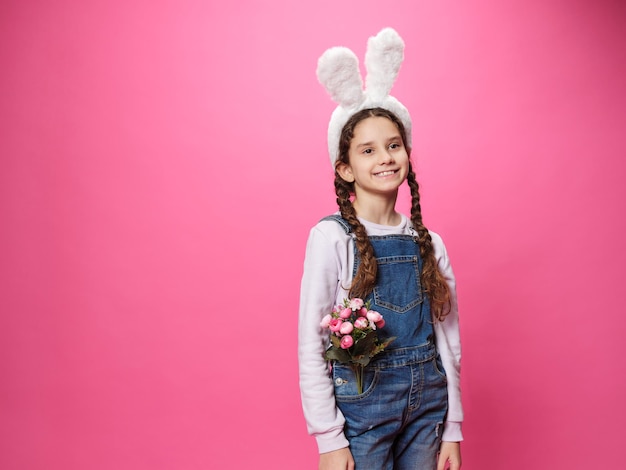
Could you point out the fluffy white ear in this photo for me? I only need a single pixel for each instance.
(338, 71)
(383, 58)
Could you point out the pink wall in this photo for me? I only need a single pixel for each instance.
(162, 162)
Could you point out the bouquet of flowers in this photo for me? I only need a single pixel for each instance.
(353, 336)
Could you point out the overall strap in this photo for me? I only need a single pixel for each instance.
(340, 220)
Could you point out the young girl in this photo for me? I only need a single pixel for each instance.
(409, 413)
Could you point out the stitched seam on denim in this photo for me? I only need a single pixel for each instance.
(415, 397)
(441, 374)
(340, 220)
(392, 237)
(385, 362)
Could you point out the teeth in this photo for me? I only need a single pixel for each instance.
(385, 173)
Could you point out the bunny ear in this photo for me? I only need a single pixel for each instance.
(383, 58)
(338, 71)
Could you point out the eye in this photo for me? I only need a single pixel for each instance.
(368, 151)
(394, 145)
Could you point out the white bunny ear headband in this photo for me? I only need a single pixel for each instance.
(338, 71)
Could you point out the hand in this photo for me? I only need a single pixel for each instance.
(449, 454)
(340, 459)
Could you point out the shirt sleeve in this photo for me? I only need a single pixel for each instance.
(448, 341)
(318, 293)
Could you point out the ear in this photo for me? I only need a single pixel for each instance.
(384, 55)
(345, 172)
(338, 71)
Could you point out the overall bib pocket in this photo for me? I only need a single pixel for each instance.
(398, 287)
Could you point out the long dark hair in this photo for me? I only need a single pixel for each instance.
(364, 280)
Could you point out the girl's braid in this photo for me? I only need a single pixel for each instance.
(365, 277)
(433, 282)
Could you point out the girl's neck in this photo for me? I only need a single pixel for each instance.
(378, 211)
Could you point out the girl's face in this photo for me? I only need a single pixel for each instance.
(378, 159)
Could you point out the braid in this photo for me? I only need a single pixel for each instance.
(365, 277)
(433, 282)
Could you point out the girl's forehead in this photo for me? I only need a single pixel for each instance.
(375, 126)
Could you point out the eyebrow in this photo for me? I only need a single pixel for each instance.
(390, 139)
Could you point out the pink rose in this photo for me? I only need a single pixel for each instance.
(374, 316)
(356, 304)
(335, 324)
(363, 312)
(380, 324)
(361, 323)
(346, 328)
(346, 342)
(345, 313)
(325, 321)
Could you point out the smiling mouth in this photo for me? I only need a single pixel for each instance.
(386, 173)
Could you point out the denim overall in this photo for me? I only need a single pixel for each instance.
(396, 423)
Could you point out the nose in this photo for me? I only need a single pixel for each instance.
(386, 157)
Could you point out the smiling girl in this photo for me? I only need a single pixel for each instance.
(409, 413)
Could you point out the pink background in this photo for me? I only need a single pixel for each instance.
(163, 161)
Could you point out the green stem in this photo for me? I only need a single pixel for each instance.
(358, 373)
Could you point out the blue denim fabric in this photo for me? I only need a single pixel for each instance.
(398, 294)
(396, 423)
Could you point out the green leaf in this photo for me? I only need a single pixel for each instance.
(336, 341)
(387, 342)
(381, 347)
(366, 345)
(363, 360)
(338, 354)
